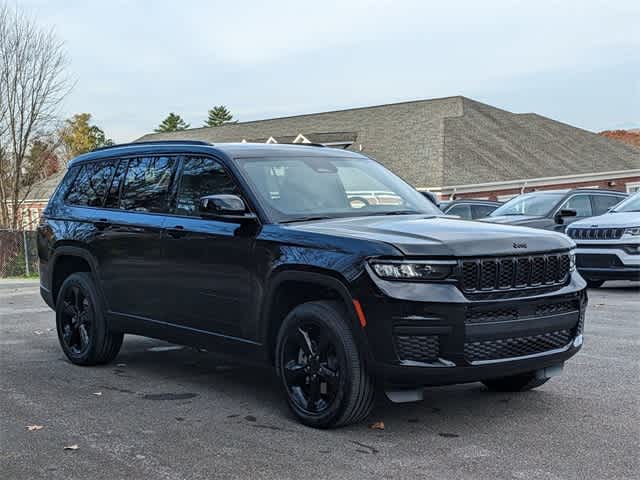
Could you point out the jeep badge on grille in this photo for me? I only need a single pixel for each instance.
(519, 245)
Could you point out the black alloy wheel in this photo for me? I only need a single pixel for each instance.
(82, 329)
(311, 368)
(323, 373)
(76, 319)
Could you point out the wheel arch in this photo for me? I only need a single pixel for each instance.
(290, 288)
(68, 259)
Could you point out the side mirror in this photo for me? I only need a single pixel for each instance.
(565, 212)
(230, 207)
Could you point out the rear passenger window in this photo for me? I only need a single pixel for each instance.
(202, 177)
(602, 203)
(146, 184)
(91, 184)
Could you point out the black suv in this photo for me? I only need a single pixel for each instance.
(259, 252)
(555, 209)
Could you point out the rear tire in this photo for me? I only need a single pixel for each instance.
(82, 328)
(516, 383)
(594, 283)
(325, 377)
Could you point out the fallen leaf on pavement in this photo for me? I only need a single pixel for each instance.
(377, 425)
(38, 332)
(97, 394)
(34, 428)
(71, 447)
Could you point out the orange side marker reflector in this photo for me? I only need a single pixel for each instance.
(360, 313)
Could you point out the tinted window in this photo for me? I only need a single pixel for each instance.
(91, 184)
(292, 189)
(146, 184)
(202, 177)
(581, 204)
(602, 203)
(113, 196)
(461, 209)
(481, 211)
(536, 204)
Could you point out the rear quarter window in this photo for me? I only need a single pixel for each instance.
(91, 184)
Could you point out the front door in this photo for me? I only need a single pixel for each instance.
(206, 261)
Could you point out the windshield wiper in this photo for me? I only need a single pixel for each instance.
(305, 219)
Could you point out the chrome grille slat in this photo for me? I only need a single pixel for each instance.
(505, 273)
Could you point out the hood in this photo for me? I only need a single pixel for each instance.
(441, 235)
(513, 219)
(610, 220)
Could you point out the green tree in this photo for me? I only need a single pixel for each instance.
(173, 123)
(218, 115)
(79, 136)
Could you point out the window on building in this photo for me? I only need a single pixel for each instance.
(146, 184)
(201, 177)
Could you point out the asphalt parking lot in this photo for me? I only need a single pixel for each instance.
(163, 412)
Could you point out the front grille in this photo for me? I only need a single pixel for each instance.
(595, 233)
(597, 260)
(418, 348)
(556, 308)
(482, 275)
(515, 347)
(491, 316)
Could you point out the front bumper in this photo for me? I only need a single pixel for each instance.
(432, 334)
(608, 261)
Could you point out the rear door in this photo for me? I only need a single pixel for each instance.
(129, 247)
(207, 261)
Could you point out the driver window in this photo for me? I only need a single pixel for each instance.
(581, 204)
(201, 177)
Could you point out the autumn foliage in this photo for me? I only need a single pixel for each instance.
(628, 136)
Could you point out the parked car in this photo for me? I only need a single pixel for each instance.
(469, 209)
(609, 245)
(555, 209)
(254, 251)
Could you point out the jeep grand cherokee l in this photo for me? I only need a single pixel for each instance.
(261, 253)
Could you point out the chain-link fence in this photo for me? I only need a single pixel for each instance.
(18, 253)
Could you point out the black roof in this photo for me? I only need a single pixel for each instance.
(232, 150)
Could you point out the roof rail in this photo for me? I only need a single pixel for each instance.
(154, 142)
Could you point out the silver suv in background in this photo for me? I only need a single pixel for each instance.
(609, 244)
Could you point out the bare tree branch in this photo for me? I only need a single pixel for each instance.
(32, 86)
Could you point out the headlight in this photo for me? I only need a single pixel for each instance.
(572, 261)
(417, 270)
(634, 231)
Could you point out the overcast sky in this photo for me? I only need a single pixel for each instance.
(135, 61)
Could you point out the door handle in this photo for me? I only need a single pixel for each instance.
(176, 232)
(101, 224)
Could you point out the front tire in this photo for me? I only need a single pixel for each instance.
(324, 375)
(515, 383)
(82, 329)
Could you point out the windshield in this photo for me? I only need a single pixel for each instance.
(300, 188)
(536, 204)
(631, 204)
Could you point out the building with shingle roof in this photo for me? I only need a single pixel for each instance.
(452, 144)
